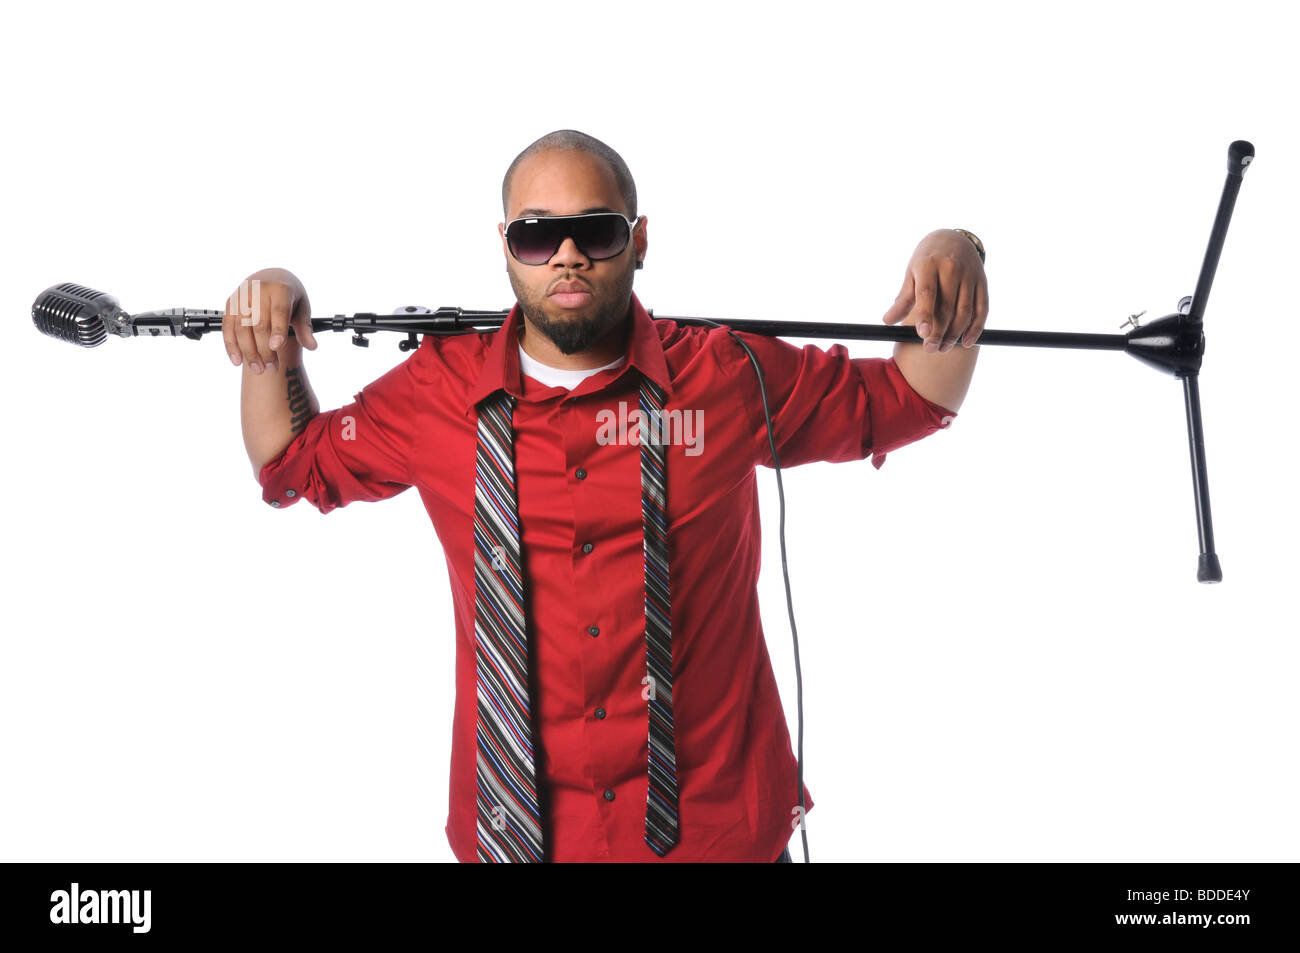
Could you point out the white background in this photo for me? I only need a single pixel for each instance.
(1005, 652)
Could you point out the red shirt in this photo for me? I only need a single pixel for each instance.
(416, 426)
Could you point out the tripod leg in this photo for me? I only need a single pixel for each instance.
(1207, 569)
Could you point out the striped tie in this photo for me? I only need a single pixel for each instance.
(509, 815)
(661, 789)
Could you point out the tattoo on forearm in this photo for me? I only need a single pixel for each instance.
(298, 404)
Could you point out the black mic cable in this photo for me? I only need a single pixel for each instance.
(785, 572)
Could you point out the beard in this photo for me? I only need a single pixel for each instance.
(574, 331)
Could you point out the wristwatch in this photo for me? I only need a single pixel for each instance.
(979, 245)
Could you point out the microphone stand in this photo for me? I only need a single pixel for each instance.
(1173, 344)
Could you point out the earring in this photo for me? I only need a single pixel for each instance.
(640, 264)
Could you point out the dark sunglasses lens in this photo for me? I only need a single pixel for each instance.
(533, 241)
(601, 236)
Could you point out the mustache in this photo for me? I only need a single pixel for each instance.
(570, 284)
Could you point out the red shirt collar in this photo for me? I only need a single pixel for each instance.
(644, 351)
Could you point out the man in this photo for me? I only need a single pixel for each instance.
(590, 472)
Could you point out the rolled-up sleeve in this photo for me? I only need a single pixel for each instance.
(360, 451)
(826, 405)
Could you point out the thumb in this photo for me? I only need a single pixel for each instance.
(903, 303)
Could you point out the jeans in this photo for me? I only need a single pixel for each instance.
(785, 857)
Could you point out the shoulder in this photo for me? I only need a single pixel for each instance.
(454, 355)
(684, 341)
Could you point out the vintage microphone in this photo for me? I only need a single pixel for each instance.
(1173, 344)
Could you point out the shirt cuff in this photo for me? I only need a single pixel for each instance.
(285, 478)
(899, 415)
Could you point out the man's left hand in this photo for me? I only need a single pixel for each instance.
(945, 292)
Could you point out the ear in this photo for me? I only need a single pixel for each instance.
(640, 242)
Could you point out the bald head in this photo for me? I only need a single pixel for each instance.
(570, 139)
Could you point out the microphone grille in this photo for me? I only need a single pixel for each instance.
(74, 313)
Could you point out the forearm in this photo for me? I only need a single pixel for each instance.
(275, 405)
(941, 377)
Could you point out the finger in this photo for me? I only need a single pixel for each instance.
(277, 316)
(302, 324)
(903, 303)
(278, 330)
(963, 315)
(228, 322)
(981, 313)
(945, 307)
(927, 280)
(249, 309)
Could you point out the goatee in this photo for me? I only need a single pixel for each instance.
(576, 332)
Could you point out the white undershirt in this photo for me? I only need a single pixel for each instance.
(559, 376)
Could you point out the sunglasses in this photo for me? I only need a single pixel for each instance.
(598, 235)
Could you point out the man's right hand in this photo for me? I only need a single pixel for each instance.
(258, 316)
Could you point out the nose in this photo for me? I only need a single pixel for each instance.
(569, 256)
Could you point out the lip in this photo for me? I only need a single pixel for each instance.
(570, 294)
